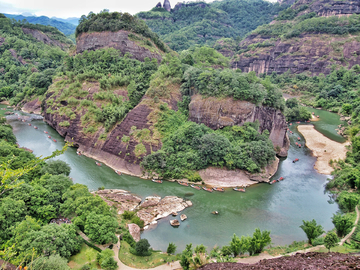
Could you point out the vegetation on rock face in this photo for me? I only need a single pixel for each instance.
(115, 21)
(26, 64)
(112, 72)
(202, 23)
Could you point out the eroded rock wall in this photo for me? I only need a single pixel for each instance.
(118, 40)
(216, 114)
(307, 53)
(40, 36)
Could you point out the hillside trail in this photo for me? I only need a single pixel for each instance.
(122, 266)
(248, 260)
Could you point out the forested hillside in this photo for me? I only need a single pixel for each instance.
(64, 27)
(29, 57)
(33, 193)
(202, 23)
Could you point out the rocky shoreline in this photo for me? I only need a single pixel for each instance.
(150, 210)
(213, 177)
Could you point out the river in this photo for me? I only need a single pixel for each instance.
(280, 207)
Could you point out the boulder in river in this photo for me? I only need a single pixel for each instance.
(174, 223)
(183, 217)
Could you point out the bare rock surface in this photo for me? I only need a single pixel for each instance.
(33, 106)
(121, 199)
(222, 177)
(174, 223)
(183, 217)
(216, 114)
(150, 212)
(134, 230)
(40, 36)
(118, 40)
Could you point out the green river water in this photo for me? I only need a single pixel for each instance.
(279, 208)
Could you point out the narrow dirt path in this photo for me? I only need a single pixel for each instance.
(353, 229)
(122, 266)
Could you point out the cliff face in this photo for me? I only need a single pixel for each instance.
(40, 36)
(217, 114)
(327, 8)
(118, 40)
(117, 153)
(312, 53)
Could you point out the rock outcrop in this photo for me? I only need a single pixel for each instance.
(119, 40)
(155, 208)
(33, 106)
(222, 177)
(150, 210)
(307, 53)
(40, 36)
(134, 230)
(167, 5)
(158, 5)
(216, 114)
(301, 51)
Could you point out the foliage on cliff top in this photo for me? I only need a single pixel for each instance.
(111, 71)
(115, 21)
(26, 64)
(203, 23)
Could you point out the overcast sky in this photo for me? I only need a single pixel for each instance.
(76, 8)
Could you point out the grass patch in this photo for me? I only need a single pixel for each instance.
(340, 249)
(294, 246)
(82, 258)
(155, 259)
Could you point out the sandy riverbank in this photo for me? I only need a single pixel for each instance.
(323, 148)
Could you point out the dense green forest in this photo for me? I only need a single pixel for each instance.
(26, 64)
(203, 23)
(336, 92)
(64, 27)
(34, 192)
(36, 197)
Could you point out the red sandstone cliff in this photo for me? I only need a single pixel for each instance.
(120, 40)
(216, 114)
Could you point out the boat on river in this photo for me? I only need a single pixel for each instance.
(218, 189)
(242, 189)
(273, 181)
(49, 137)
(196, 187)
(298, 138)
(29, 124)
(98, 163)
(54, 140)
(157, 181)
(46, 132)
(183, 183)
(35, 127)
(118, 172)
(299, 145)
(280, 179)
(295, 160)
(208, 189)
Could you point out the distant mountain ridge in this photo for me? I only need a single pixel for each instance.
(191, 23)
(66, 27)
(72, 20)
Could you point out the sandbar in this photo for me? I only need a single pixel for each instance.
(323, 148)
